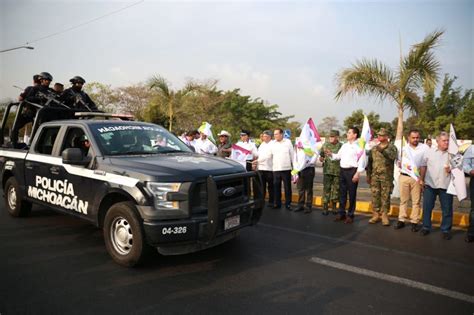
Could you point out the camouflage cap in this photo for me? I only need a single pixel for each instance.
(382, 132)
(334, 133)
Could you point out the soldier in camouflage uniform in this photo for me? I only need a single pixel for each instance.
(331, 171)
(380, 176)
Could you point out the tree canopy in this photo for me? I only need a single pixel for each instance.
(186, 108)
(417, 70)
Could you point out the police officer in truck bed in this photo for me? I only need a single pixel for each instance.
(40, 94)
(75, 98)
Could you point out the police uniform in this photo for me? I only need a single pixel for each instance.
(380, 174)
(331, 173)
(75, 98)
(38, 94)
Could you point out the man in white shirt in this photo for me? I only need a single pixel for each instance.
(204, 146)
(249, 145)
(436, 174)
(188, 139)
(282, 156)
(264, 165)
(353, 162)
(409, 186)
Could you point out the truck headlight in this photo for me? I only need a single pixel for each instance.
(160, 191)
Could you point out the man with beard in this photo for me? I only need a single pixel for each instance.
(410, 187)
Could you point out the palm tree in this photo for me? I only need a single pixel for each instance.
(171, 99)
(417, 71)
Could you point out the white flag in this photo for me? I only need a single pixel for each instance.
(457, 185)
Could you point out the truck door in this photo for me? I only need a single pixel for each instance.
(42, 168)
(81, 183)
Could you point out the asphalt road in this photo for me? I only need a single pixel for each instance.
(290, 263)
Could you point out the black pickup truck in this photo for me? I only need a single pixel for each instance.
(139, 183)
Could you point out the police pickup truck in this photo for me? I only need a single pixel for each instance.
(142, 192)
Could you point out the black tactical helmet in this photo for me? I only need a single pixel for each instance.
(46, 76)
(77, 79)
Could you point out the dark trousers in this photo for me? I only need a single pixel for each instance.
(278, 177)
(470, 230)
(248, 166)
(305, 186)
(446, 200)
(346, 185)
(267, 181)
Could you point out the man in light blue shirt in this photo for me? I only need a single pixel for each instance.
(468, 167)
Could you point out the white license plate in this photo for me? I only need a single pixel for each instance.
(231, 222)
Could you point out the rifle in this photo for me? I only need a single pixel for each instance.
(80, 100)
(51, 99)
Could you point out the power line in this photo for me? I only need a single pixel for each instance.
(84, 23)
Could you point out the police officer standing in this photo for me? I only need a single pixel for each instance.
(40, 95)
(75, 98)
(331, 172)
(36, 82)
(380, 176)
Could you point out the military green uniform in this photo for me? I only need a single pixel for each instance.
(331, 171)
(380, 172)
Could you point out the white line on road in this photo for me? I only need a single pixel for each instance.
(394, 279)
(347, 240)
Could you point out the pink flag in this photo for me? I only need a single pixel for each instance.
(240, 154)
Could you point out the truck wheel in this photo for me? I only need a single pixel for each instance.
(16, 206)
(124, 236)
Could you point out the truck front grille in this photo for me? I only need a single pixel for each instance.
(231, 192)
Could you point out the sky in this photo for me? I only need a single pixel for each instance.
(284, 52)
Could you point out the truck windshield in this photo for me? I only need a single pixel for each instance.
(125, 138)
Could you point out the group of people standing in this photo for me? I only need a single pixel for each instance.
(343, 165)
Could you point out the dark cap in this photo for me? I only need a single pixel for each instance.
(268, 133)
(77, 79)
(334, 133)
(45, 76)
(244, 132)
(382, 132)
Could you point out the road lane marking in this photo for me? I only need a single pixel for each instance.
(394, 279)
(345, 240)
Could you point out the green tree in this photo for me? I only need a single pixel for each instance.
(356, 119)
(134, 99)
(452, 106)
(327, 124)
(417, 70)
(169, 100)
(106, 98)
(238, 112)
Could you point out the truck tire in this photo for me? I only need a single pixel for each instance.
(15, 204)
(124, 236)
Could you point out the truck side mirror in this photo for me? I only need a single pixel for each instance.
(74, 156)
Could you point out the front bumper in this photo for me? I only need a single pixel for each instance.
(174, 237)
(197, 232)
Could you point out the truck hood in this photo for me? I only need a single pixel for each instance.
(174, 166)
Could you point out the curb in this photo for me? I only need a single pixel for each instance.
(460, 220)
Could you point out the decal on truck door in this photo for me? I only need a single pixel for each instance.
(58, 193)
